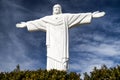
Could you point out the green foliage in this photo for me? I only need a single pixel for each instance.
(17, 68)
(39, 75)
(104, 74)
(97, 74)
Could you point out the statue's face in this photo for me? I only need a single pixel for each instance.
(57, 9)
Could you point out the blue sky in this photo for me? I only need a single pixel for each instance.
(91, 45)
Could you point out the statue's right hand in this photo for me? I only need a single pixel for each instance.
(21, 25)
(97, 14)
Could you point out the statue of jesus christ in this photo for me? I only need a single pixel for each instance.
(56, 27)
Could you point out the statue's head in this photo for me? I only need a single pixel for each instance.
(57, 9)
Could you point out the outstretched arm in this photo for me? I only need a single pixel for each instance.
(34, 25)
(82, 18)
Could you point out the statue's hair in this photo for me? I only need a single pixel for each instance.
(59, 7)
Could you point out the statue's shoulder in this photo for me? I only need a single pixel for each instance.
(46, 17)
(67, 14)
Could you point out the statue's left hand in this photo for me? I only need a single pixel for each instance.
(98, 14)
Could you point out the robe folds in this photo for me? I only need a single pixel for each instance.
(57, 36)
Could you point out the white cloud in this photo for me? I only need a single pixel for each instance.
(11, 62)
(82, 65)
(86, 65)
(104, 49)
(15, 53)
(101, 45)
(93, 51)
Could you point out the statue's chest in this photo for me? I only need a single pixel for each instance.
(58, 19)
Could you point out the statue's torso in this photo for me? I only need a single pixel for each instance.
(56, 36)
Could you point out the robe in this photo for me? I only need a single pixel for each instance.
(57, 42)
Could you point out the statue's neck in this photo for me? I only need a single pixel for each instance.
(56, 14)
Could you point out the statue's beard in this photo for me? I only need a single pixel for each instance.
(55, 13)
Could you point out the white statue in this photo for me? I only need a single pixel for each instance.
(56, 27)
